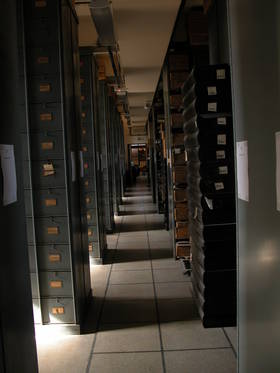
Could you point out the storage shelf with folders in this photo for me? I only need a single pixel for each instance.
(50, 93)
(208, 132)
(178, 67)
(92, 186)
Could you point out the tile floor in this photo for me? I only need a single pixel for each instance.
(143, 318)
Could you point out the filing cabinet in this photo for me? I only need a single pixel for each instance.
(59, 268)
(208, 132)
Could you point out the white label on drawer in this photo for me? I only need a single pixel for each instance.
(209, 203)
(219, 186)
(223, 170)
(222, 139)
(222, 121)
(212, 106)
(220, 154)
(221, 74)
(177, 150)
(212, 91)
(186, 156)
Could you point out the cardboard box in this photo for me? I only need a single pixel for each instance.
(183, 249)
(177, 121)
(179, 62)
(181, 213)
(198, 28)
(176, 101)
(180, 175)
(182, 231)
(178, 139)
(180, 194)
(177, 79)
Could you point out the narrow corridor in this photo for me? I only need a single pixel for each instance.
(143, 318)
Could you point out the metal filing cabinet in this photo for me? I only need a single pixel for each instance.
(92, 188)
(56, 231)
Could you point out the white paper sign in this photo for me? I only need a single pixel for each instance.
(220, 74)
(8, 166)
(212, 91)
(73, 167)
(212, 106)
(242, 170)
(222, 121)
(82, 173)
(277, 139)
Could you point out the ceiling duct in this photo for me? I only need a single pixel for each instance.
(101, 13)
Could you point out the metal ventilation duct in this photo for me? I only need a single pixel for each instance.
(102, 17)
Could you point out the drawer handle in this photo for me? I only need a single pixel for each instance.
(45, 87)
(47, 145)
(54, 258)
(83, 115)
(90, 233)
(46, 117)
(56, 284)
(42, 60)
(89, 217)
(40, 3)
(88, 200)
(58, 311)
(83, 98)
(50, 202)
(53, 230)
(86, 183)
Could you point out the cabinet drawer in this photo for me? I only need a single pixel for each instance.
(50, 202)
(91, 216)
(47, 145)
(92, 233)
(45, 117)
(41, 8)
(43, 61)
(42, 32)
(48, 174)
(58, 311)
(56, 284)
(54, 257)
(87, 185)
(88, 201)
(44, 90)
(52, 230)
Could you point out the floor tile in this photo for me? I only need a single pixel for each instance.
(173, 290)
(144, 362)
(125, 338)
(116, 311)
(161, 262)
(131, 277)
(170, 275)
(136, 265)
(203, 361)
(66, 354)
(191, 335)
(131, 292)
(171, 310)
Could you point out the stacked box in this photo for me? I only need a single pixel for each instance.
(91, 187)
(211, 193)
(50, 92)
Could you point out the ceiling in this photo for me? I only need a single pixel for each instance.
(143, 30)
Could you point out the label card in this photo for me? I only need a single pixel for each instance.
(223, 170)
(40, 3)
(48, 169)
(242, 170)
(220, 74)
(90, 233)
(212, 106)
(45, 87)
(222, 121)
(56, 284)
(222, 139)
(54, 258)
(51, 202)
(52, 230)
(219, 186)
(220, 154)
(8, 165)
(90, 247)
(58, 311)
(177, 151)
(212, 91)
(46, 117)
(47, 145)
